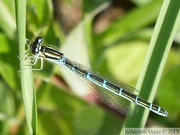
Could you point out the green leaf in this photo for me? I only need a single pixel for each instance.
(94, 5)
(39, 12)
(7, 18)
(9, 62)
(126, 26)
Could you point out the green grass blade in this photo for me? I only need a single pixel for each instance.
(7, 18)
(128, 24)
(158, 51)
(28, 92)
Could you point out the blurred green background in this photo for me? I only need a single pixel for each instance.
(111, 37)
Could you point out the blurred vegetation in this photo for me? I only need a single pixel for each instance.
(110, 36)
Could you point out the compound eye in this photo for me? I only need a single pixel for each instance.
(36, 45)
(39, 40)
(36, 50)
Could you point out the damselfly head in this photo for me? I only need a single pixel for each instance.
(35, 46)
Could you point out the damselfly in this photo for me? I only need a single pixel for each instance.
(53, 55)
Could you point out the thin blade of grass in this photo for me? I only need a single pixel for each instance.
(158, 51)
(28, 92)
(124, 27)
